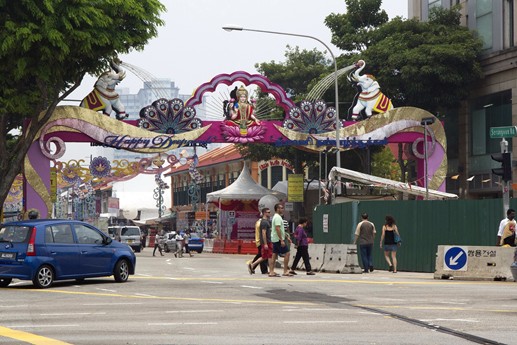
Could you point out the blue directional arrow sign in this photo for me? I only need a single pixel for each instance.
(455, 258)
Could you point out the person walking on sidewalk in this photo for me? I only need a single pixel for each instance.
(389, 230)
(365, 234)
(158, 242)
(186, 238)
(258, 242)
(266, 246)
(302, 247)
(280, 242)
(179, 246)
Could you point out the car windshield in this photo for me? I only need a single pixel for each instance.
(15, 234)
(130, 232)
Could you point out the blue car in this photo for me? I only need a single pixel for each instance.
(196, 243)
(46, 250)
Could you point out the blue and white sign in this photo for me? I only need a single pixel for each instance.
(455, 259)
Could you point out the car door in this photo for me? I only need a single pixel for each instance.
(95, 257)
(62, 249)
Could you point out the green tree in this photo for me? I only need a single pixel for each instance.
(428, 65)
(352, 31)
(46, 48)
(384, 164)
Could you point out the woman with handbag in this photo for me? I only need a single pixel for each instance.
(391, 238)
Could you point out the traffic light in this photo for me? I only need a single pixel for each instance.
(506, 165)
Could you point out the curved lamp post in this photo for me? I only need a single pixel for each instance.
(338, 123)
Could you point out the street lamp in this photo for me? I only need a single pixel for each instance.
(338, 123)
(426, 121)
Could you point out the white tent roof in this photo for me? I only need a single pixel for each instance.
(244, 188)
(396, 185)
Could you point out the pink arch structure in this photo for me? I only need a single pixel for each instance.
(76, 124)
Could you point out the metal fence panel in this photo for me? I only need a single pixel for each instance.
(423, 226)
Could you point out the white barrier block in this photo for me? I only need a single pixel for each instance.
(474, 262)
(352, 260)
(208, 245)
(335, 258)
(316, 255)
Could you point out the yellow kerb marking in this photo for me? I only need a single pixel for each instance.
(29, 337)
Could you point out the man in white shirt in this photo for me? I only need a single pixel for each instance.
(506, 233)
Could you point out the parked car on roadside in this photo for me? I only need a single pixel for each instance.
(46, 250)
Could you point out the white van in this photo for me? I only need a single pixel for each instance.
(128, 234)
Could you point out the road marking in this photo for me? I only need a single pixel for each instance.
(210, 282)
(458, 320)
(323, 321)
(181, 323)
(172, 298)
(62, 314)
(252, 287)
(29, 337)
(107, 290)
(125, 303)
(193, 311)
(42, 326)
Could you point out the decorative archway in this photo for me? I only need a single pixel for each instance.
(170, 124)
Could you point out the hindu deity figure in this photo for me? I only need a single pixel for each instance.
(240, 112)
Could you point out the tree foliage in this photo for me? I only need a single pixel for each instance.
(352, 31)
(47, 47)
(301, 70)
(428, 65)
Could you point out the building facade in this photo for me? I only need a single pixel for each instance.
(491, 101)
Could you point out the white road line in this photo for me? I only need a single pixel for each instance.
(210, 282)
(144, 295)
(181, 323)
(42, 326)
(128, 303)
(68, 314)
(251, 287)
(455, 303)
(457, 320)
(328, 321)
(106, 290)
(194, 311)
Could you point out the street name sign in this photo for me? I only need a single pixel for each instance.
(503, 132)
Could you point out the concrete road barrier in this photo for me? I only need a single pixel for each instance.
(335, 258)
(474, 262)
(208, 245)
(316, 255)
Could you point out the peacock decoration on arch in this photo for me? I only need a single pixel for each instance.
(169, 117)
(311, 118)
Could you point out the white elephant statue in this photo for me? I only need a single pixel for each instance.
(370, 99)
(103, 96)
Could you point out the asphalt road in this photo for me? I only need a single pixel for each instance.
(211, 299)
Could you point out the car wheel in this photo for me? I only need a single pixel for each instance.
(44, 277)
(121, 272)
(200, 251)
(166, 248)
(4, 282)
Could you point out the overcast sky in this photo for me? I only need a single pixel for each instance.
(192, 48)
